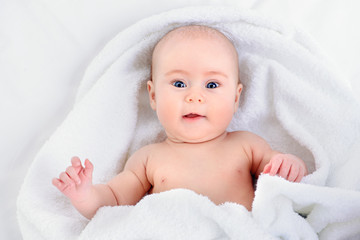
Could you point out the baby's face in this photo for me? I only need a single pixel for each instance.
(195, 89)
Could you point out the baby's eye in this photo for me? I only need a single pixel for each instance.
(212, 85)
(179, 84)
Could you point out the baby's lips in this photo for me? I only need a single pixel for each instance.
(192, 115)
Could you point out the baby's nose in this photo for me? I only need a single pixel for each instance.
(195, 98)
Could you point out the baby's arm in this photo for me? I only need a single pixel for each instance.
(126, 188)
(266, 160)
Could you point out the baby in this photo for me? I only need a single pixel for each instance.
(195, 91)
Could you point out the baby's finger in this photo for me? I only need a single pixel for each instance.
(73, 174)
(88, 169)
(58, 184)
(284, 170)
(294, 173)
(267, 168)
(275, 166)
(64, 177)
(76, 163)
(300, 176)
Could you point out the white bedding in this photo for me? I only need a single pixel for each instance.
(46, 46)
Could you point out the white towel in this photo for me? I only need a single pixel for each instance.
(292, 98)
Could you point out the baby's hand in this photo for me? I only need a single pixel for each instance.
(76, 181)
(287, 166)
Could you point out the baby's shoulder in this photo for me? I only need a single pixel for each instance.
(243, 135)
(247, 139)
(250, 141)
(144, 156)
(151, 147)
(147, 150)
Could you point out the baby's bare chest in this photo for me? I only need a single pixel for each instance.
(198, 170)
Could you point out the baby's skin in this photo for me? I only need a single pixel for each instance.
(195, 90)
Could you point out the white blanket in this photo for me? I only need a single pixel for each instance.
(291, 97)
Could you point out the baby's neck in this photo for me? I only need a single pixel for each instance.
(211, 141)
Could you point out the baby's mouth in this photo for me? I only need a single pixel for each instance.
(193, 116)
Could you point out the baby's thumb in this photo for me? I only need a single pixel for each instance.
(267, 168)
(88, 170)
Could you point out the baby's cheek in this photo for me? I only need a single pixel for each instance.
(224, 114)
(166, 113)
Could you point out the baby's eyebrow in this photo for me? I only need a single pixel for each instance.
(176, 71)
(206, 73)
(216, 73)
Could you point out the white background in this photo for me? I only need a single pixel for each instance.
(45, 47)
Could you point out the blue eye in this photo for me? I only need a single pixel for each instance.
(212, 85)
(179, 84)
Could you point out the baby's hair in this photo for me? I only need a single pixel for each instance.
(194, 31)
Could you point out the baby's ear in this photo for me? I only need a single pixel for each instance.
(238, 94)
(151, 90)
